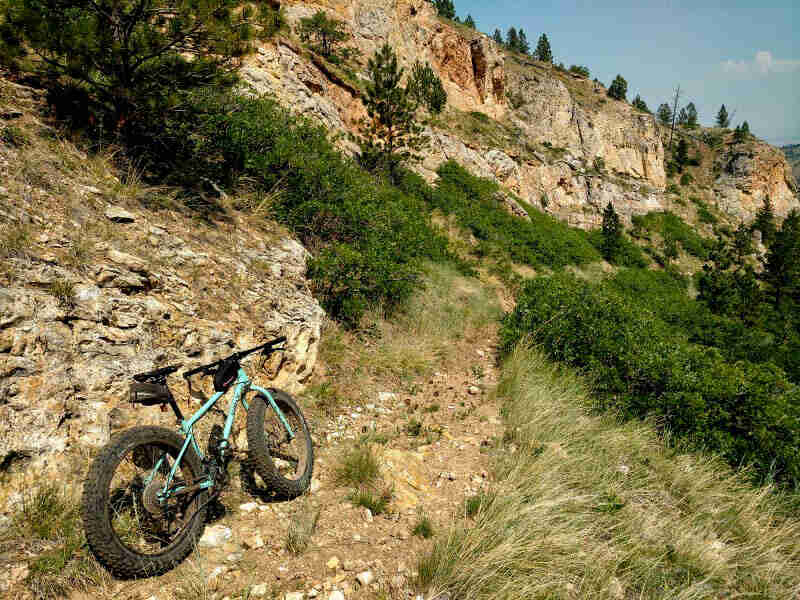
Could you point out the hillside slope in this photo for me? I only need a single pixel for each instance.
(792, 153)
(553, 138)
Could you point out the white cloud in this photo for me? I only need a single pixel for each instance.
(763, 63)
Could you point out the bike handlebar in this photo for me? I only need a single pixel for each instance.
(236, 356)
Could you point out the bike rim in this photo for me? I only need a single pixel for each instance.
(289, 456)
(139, 521)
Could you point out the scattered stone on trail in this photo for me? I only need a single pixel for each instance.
(367, 514)
(118, 214)
(336, 595)
(259, 590)
(474, 390)
(214, 579)
(406, 472)
(248, 507)
(365, 578)
(449, 475)
(215, 536)
(333, 563)
(294, 596)
(387, 397)
(315, 485)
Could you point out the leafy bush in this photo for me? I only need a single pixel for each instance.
(672, 227)
(747, 412)
(473, 200)
(368, 238)
(627, 253)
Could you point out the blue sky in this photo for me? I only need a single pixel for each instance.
(744, 54)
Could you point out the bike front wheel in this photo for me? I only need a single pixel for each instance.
(285, 463)
(128, 529)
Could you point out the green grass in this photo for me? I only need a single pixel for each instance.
(63, 291)
(668, 224)
(423, 527)
(377, 501)
(586, 507)
(357, 466)
(15, 240)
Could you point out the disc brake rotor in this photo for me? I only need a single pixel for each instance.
(150, 497)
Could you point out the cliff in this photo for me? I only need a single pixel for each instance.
(552, 138)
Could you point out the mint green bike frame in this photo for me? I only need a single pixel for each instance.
(243, 385)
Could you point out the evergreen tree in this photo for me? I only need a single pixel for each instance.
(640, 104)
(782, 269)
(543, 51)
(682, 154)
(669, 247)
(765, 222)
(691, 116)
(738, 136)
(522, 45)
(723, 120)
(326, 31)
(612, 234)
(746, 129)
(683, 118)
(664, 114)
(445, 8)
(619, 88)
(391, 133)
(498, 37)
(134, 60)
(426, 88)
(469, 22)
(580, 70)
(512, 39)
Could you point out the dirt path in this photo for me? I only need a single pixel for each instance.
(432, 433)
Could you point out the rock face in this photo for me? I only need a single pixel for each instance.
(750, 172)
(575, 149)
(100, 293)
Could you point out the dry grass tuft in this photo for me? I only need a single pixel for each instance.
(302, 528)
(586, 507)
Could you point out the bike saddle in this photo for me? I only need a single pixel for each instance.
(157, 375)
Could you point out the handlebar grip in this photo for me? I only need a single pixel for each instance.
(188, 374)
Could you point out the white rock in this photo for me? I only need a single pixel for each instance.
(367, 513)
(259, 591)
(315, 485)
(333, 563)
(294, 596)
(387, 396)
(119, 215)
(473, 390)
(313, 593)
(336, 595)
(215, 536)
(248, 507)
(365, 578)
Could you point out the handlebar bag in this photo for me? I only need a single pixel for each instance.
(226, 374)
(149, 394)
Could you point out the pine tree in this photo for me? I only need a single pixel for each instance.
(782, 269)
(543, 51)
(691, 116)
(580, 70)
(470, 22)
(723, 120)
(745, 130)
(426, 88)
(326, 31)
(640, 104)
(522, 45)
(682, 154)
(612, 234)
(765, 222)
(445, 8)
(683, 118)
(512, 39)
(619, 88)
(391, 133)
(134, 59)
(664, 114)
(498, 37)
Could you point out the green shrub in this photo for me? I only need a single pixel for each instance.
(671, 226)
(628, 254)
(474, 201)
(368, 238)
(686, 179)
(376, 501)
(14, 136)
(747, 412)
(357, 466)
(706, 216)
(423, 527)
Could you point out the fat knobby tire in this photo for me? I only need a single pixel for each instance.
(260, 458)
(103, 541)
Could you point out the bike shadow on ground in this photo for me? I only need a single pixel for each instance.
(250, 482)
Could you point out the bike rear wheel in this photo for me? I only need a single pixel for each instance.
(285, 464)
(129, 531)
